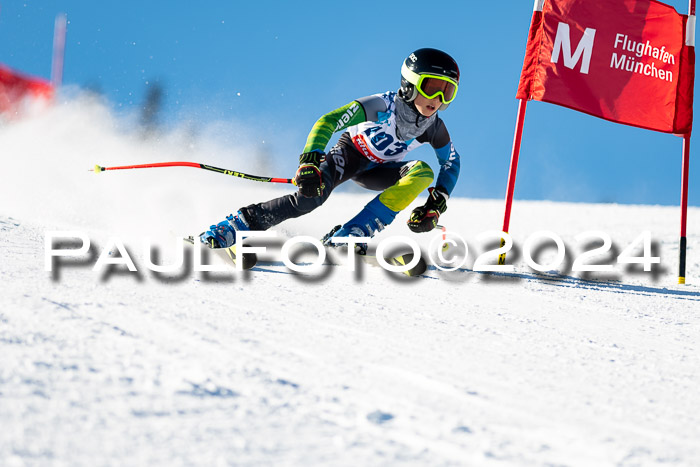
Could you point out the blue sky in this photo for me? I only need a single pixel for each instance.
(278, 66)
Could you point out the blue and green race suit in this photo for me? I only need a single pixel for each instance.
(371, 154)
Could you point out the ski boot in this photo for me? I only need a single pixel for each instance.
(360, 248)
(372, 219)
(223, 234)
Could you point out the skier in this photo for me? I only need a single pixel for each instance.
(379, 131)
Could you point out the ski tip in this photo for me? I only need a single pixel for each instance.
(420, 268)
(249, 260)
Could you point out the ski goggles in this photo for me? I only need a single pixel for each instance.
(431, 86)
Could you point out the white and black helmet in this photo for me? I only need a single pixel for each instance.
(424, 64)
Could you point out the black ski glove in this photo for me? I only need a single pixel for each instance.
(425, 218)
(308, 177)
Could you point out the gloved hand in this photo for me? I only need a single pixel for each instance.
(308, 177)
(425, 218)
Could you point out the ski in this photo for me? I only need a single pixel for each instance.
(400, 260)
(405, 259)
(248, 260)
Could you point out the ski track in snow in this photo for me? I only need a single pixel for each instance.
(272, 368)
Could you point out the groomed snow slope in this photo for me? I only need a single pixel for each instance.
(340, 368)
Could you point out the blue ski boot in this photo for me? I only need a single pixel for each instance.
(372, 219)
(223, 234)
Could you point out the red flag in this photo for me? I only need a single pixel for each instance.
(625, 60)
(14, 87)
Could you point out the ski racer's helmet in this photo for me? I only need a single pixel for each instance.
(430, 72)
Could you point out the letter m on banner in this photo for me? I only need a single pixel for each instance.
(562, 43)
(627, 61)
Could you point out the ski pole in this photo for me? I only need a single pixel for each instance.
(445, 245)
(197, 165)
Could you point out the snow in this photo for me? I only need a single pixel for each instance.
(268, 367)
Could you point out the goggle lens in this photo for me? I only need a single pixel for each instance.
(431, 87)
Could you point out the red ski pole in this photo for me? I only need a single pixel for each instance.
(197, 165)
